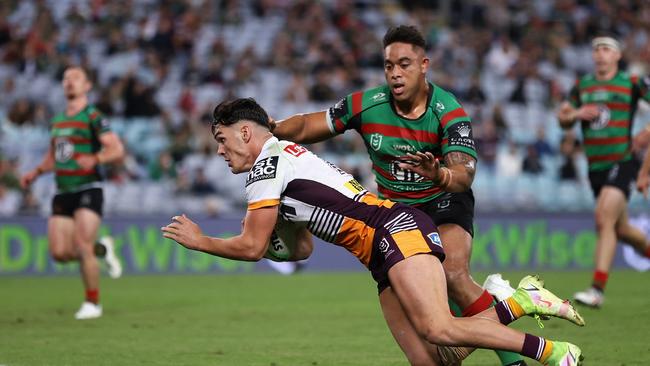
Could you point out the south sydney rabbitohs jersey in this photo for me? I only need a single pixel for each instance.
(607, 139)
(317, 195)
(73, 136)
(444, 127)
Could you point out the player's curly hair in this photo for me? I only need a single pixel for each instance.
(230, 112)
(405, 34)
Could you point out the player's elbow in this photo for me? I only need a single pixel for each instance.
(253, 252)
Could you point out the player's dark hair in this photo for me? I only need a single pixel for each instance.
(232, 111)
(404, 34)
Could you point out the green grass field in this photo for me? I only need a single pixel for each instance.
(308, 319)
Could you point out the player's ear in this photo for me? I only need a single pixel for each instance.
(245, 132)
(425, 64)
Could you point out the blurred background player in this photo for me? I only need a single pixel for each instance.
(406, 122)
(605, 102)
(400, 245)
(81, 140)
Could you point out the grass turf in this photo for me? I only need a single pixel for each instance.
(308, 319)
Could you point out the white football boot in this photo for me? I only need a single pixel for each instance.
(88, 310)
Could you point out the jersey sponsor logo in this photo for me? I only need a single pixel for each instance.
(379, 96)
(403, 147)
(435, 238)
(375, 141)
(295, 150)
(603, 118)
(404, 175)
(354, 186)
(339, 170)
(339, 110)
(63, 150)
(263, 169)
(460, 134)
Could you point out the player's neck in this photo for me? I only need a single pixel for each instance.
(75, 105)
(604, 75)
(415, 107)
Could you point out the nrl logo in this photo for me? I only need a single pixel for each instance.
(464, 131)
(375, 141)
(378, 96)
(440, 106)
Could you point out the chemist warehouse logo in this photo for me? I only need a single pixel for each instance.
(263, 169)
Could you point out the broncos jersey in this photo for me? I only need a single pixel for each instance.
(316, 194)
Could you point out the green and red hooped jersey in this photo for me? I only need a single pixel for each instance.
(608, 138)
(73, 136)
(443, 128)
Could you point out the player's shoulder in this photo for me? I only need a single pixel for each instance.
(93, 112)
(443, 101)
(375, 96)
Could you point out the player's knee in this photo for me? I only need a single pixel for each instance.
(602, 220)
(61, 256)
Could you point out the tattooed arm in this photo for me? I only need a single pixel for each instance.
(461, 169)
(456, 176)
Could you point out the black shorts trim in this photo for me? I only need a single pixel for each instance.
(452, 208)
(65, 204)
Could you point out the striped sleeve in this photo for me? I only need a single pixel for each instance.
(456, 129)
(574, 95)
(643, 85)
(340, 115)
(99, 122)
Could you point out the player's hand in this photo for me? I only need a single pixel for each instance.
(87, 162)
(642, 183)
(424, 164)
(272, 123)
(27, 179)
(587, 112)
(183, 231)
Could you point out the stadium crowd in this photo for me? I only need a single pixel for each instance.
(160, 67)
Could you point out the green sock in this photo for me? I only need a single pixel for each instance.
(455, 309)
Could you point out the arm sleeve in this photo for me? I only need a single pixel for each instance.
(643, 85)
(456, 130)
(574, 95)
(340, 116)
(266, 182)
(99, 122)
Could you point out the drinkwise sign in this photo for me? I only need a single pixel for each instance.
(501, 242)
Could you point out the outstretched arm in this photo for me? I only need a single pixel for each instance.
(250, 245)
(456, 176)
(303, 128)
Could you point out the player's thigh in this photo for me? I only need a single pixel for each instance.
(419, 282)
(60, 235)
(87, 224)
(417, 351)
(611, 203)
